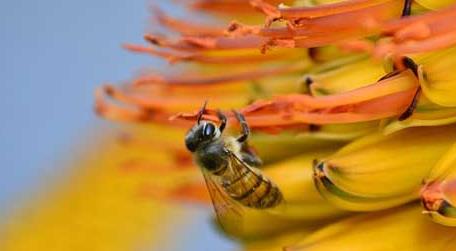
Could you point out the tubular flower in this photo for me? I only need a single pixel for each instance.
(351, 105)
(438, 193)
(99, 206)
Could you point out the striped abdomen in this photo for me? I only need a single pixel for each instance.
(252, 189)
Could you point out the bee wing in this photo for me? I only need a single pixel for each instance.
(239, 166)
(241, 169)
(229, 212)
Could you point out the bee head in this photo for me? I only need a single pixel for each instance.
(202, 133)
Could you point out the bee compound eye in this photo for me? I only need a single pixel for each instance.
(208, 130)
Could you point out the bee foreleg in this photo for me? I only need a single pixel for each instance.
(244, 126)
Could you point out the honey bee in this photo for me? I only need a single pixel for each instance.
(228, 169)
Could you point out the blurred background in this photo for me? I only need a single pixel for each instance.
(54, 55)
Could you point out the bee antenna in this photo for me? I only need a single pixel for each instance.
(201, 112)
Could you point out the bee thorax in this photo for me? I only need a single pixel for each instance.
(213, 157)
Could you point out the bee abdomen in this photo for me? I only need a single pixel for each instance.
(271, 197)
(262, 194)
(250, 191)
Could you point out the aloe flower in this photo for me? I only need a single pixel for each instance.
(352, 107)
(102, 204)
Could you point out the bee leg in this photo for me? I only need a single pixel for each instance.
(249, 155)
(251, 159)
(410, 64)
(222, 119)
(244, 126)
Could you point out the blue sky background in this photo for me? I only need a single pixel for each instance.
(53, 55)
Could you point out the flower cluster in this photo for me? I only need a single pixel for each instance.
(352, 105)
